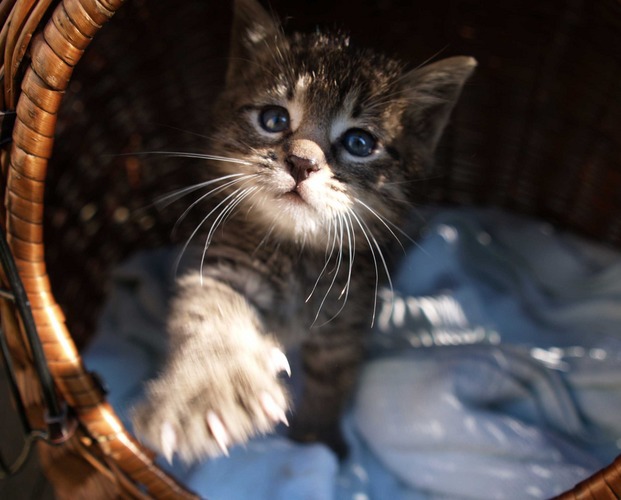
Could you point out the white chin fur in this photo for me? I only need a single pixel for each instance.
(307, 215)
(293, 218)
(296, 217)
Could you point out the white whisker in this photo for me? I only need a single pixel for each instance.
(348, 234)
(224, 215)
(266, 238)
(200, 224)
(372, 242)
(187, 154)
(328, 257)
(339, 260)
(167, 199)
(351, 242)
(207, 195)
(240, 195)
(387, 224)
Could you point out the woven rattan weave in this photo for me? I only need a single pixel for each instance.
(538, 131)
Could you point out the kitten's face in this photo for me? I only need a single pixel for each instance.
(327, 132)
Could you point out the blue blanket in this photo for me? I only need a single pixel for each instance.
(495, 371)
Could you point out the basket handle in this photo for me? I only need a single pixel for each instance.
(54, 52)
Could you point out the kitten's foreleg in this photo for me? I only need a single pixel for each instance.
(220, 384)
(331, 362)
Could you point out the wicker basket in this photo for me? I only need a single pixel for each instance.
(538, 131)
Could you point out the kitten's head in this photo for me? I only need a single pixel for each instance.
(334, 136)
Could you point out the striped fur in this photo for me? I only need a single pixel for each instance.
(291, 254)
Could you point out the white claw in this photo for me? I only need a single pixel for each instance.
(219, 432)
(168, 437)
(280, 361)
(272, 409)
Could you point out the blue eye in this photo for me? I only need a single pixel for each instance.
(358, 142)
(274, 119)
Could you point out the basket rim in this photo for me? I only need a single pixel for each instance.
(34, 87)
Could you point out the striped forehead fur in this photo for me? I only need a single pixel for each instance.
(322, 76)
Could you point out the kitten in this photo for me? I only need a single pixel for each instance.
(317, 148)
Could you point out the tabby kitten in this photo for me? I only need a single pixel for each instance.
(317, 148)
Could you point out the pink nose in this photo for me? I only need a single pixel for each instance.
(301, 168)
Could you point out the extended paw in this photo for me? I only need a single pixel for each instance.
(199, 411)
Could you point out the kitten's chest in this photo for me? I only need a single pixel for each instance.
(294, 289)
(318, 292)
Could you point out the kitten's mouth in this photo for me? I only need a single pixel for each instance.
(294, 196)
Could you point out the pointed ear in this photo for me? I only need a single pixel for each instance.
(252, 28)
(433, 91)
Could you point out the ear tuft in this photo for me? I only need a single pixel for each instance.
(252, 28)
(434, 90)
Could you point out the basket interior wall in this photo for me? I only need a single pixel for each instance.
(538, 129)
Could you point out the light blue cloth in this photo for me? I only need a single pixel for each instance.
(495, 371)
